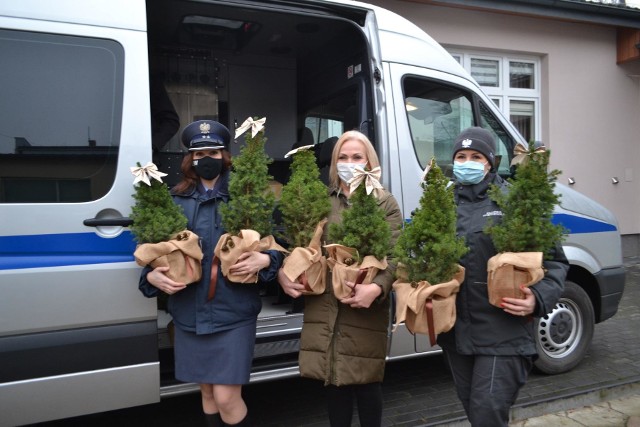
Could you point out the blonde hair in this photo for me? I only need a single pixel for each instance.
(370, 152)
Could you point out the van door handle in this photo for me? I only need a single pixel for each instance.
(105, 222)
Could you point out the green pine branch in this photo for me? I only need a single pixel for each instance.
(363, 226)
(428, 247)
(527, 207)
(156, 218)
(305, 200)
(251, 201)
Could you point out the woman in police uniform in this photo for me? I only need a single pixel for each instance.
(490, 350)
(214, 335)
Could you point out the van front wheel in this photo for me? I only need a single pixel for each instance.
(563, 336)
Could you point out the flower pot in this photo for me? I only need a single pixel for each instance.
(307, 265)
(508, 271)
(341, 261)
(425, 308)
(181, 254)
(230, 247)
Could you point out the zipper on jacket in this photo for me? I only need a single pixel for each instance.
(334, 349)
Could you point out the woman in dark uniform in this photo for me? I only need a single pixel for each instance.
(214, 337)
(490, 350)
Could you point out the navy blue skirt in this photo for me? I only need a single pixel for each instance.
(221, 358)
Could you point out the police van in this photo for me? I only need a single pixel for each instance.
(76, 112)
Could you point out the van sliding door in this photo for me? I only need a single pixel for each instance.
(76, 335)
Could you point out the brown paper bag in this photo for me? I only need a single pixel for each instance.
(427, 309)
(507, 271)
(341, 261)
(307, 265)
(181, 254)
(230, 247)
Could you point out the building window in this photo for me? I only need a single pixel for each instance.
(486, 71)
(513, 84)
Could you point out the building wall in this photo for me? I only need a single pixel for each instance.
(590, 105)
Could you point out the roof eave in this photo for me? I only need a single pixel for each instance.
(565, 10)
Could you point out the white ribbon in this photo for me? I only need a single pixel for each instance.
(143, 173)
(427, 169)
(295, 150)
(255, 125)
(371, 180)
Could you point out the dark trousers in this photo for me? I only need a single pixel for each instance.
(488, 386)
(369, 400)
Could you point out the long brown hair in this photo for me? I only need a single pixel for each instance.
(189, 177)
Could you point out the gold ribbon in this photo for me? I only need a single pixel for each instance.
(143, 173)
(371, 180)
(295, 150)
(255, 125)
(521, 154)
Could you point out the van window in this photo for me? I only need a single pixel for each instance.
(437, 113)
(333, 116)
(61, 109)
(504, 141)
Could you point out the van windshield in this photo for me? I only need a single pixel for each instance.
(437, 112)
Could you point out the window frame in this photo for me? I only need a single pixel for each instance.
(504, 92)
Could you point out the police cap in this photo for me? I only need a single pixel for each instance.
(205, 135)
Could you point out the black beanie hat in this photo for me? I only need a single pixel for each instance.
(478, 139)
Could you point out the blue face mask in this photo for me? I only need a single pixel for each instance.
(469, 172)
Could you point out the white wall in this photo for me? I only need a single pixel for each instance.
(590, 105)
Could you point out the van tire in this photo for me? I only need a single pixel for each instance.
(563, 336)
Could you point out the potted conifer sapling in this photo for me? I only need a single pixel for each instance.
(247, 217)
(428, 252)
(525, 234)
(305, 205)
(363, 238)
(159, 227)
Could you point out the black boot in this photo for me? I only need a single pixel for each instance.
(244, 423)
(213, 420)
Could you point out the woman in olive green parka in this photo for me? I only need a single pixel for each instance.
(344, 342)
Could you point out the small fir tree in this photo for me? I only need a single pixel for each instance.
(363, 226)
(428, 247)
(304, 200)
(156, 218)
(527, 207)
(251, 201)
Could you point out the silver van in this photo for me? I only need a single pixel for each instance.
(76, 112)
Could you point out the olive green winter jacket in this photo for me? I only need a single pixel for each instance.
(341, 345)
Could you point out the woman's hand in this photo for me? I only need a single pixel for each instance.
(293, 289)
(159, 279)
(520, 307)
(362, 295)
(250, 263)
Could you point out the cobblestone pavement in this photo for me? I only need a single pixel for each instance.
(419, 392)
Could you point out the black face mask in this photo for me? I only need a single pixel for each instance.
(208, 168)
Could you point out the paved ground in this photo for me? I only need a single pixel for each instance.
(419, 392)
(614, 413)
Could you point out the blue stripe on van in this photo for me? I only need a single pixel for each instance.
(580, 225)
(54, 250)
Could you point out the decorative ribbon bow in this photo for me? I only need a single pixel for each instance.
(143, 173)
(295, 150)
(371, 180)
(522, 154)
(255, 125)
(426, 170)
